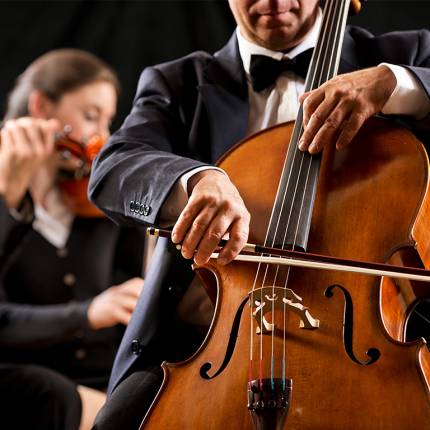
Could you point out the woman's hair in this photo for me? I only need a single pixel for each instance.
(56, 73)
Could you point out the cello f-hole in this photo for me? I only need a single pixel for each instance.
(348, 327)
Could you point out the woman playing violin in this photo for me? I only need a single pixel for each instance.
(69, 283)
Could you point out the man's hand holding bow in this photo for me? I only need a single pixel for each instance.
(214, 210)
(336, 110)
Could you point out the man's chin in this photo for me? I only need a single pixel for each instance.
(277, 39)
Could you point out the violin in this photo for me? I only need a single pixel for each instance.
(73, 185)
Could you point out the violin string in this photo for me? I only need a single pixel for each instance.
(320, 80)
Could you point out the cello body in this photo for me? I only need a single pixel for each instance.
(348, 371)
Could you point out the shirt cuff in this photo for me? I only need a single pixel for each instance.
(409, 97)
(178, 196)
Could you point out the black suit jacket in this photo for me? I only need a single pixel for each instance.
(187, 113)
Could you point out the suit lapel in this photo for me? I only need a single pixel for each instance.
(349, 60)
(225, 97)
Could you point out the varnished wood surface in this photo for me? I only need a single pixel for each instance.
(368, 199)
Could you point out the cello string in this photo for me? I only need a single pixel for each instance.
(320, 52)
(313, 80)
(422, 316)
(322, 79)
(259, 266)
(326, 31)
(266, 241)
(324, 76)
(324, 70)
(329, 72)
(286, 189)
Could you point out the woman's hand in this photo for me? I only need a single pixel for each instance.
(26, 144)
(114, 305)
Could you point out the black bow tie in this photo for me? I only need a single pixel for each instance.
(265, 70)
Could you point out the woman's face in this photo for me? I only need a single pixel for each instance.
(89, 110)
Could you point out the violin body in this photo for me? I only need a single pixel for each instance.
(74, 185)
(74, 192)
(348, 371)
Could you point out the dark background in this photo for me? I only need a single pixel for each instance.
(133, 34)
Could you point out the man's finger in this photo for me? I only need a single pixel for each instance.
(331, 127)
(198, 229)
(185, 220)
(316, 121)
(214, 233)
(310, 101)
(238, 236)
(350, 129)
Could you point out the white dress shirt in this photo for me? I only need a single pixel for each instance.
(54, 220)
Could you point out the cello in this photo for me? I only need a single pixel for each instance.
(297, 348)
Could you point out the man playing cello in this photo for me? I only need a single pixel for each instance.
(187, 113)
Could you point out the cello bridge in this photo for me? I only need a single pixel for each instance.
(266, 299)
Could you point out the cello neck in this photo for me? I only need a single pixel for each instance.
(290, 220)
(325, 59)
